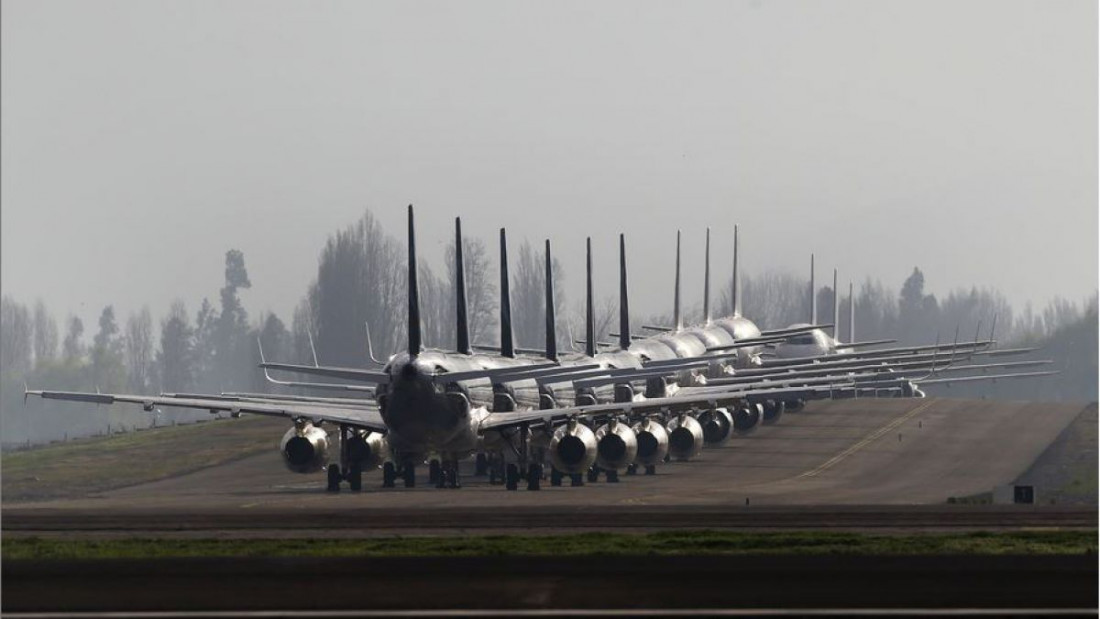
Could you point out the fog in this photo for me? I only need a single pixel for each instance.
(141, 141)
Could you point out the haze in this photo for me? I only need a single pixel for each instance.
(142, 140)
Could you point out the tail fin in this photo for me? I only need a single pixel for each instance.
(735, 290)
(414, 292)
(706, 283)
(624, 308)
(836, 309)
(677, 318)
(463, 328)
(851, 313)
(551, 330)
(507, 346)
(813, 294)
(590, 311)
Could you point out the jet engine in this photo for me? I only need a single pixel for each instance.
(616, 445)
(369, 449)
(773, 410)
(652, 442)
(305, 448)
(685, 437)
(717, 426)
(746, 417)
(573, 448)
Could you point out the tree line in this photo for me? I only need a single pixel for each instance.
(361, 284)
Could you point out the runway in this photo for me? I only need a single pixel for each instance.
(906, 457)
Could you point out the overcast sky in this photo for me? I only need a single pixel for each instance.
(141, 140)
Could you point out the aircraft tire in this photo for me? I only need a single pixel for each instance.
(511, 477)
(481, 465)
(435, 474)
(555, 477)
(355, 477)
(534, 476)
(333, 478)
(408, 473)
(593, 475)
(389, 475)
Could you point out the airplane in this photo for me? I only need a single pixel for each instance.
(447, 403)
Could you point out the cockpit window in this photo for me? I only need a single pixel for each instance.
(803, 340)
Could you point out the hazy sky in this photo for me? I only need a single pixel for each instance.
(141, 140)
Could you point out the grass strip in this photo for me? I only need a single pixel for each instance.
(86, 466)
(623, 544)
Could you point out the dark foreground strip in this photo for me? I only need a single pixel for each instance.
(987, 517)
(439, 583)
(615, 612)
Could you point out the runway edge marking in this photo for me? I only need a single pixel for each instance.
(867, 440)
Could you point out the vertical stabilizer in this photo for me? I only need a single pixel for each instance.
(507, 346)
(813, 294)
(551, 330)
(590, 310)
(414, 292)
(462, 330)
(677, 317)
(706, 283)
(836, 308)
(735, 291)
(624, 307)
(851, 312)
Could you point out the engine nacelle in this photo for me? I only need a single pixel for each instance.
(746, 417)
(573, 448)
(773, 410)
(305, 448)
(368, 449)
(616, 446)
(717, 426)
(685, 437)
(652, 441)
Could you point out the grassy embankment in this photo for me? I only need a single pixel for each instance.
(663, 543)
(80, 467)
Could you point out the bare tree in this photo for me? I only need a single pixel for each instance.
(481, 290)
(16, 330)
(45, 334)
(529, 297)
(176, 350)
(361, 277)
(72, 349)
(139, 350)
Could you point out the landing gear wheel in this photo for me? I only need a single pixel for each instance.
(511, 477)
(534, 476)
(593, 475)
(450, 475)
(651, 469)
(334, 478)
(576, 479)
(632, 469)
(389, 475)
(435, 475)
(481, 465)
(355, 477)
(408, 473)
(612, 476)
(555, 477)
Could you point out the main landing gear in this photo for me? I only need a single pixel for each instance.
(353, 474)
(390, 473)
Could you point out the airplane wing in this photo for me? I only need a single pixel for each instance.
(362, 417)
(698, 398)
